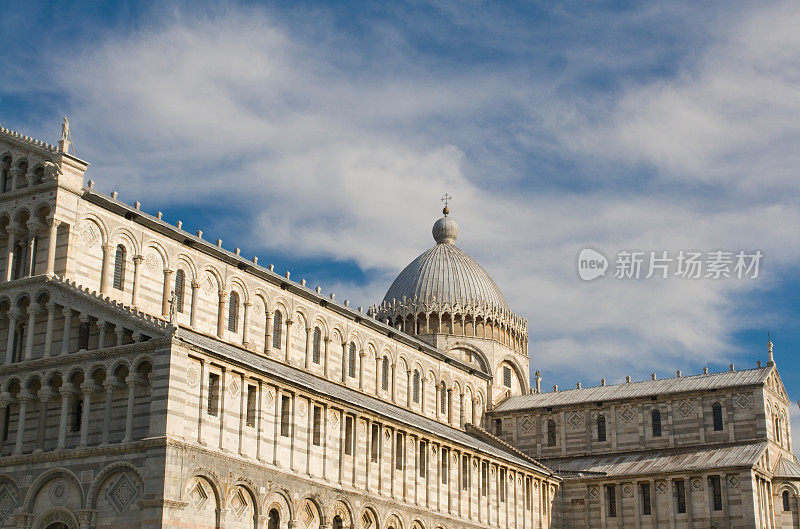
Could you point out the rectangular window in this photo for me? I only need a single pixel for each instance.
(656, 415)
(680, 496)
(716, 492)
(286, 402)
(375, 447)
(423, 458)
(445, 467)
(611, 500)
(484, 478)
(348, 436)
(317, 434)
(498, 427)
(644, 492)
(507, 376)
(213, 394)
(464, 473)
(502, 485)
(252, 398)
(398, 452)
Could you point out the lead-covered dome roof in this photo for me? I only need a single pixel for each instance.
(445, 275)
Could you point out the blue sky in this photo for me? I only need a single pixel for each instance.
(320, 136)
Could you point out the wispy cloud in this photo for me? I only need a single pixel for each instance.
(320, 145)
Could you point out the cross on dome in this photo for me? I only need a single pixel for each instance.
(446, 198)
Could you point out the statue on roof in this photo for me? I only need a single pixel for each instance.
(65, 130)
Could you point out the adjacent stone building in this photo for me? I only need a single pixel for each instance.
(152, 378)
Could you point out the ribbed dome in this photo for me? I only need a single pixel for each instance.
(446, 274)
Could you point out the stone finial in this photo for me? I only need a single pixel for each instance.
(628, 379)
(758, 363)
(652, 376)
(114, 194)
(678, 373)
(538, 379)
(360, 309)
(158, 215)
(318, 290)
(287, 274)
(555, 388)
(199, 234)
(255, 260)
(90, 184)
(602, 382)
(237, 251)
(333, 296)
(705, 370)
(219, 243)
(179, 224)
(303, 281)
(137, 205)
(731, 366)
(272, 268)
(770, 357)
(578, 385)
(347, 303)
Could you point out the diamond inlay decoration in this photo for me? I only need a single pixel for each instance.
(743, 401)
(234, 388)
(308, 515)
(661, 487)
(627, 414)
(199, 496)
(269, 399)
(575, 420)
(239, 504)
(685, 408)
(122, 493)
(594, 492)
(7, 502)
(733, 481)
(526, 424)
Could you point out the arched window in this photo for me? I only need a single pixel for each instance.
(274, 519)
(315, 344)
(416, 387)
(656, 417)
(337, 522)
(351, 361)
(777, 430)
(786, 505)
(180, 284)
(717, 410)
(119, 268)
(601, 428)
(233, 312)
(551, 432)
(385, 374)
(277, 329)
(443, 399)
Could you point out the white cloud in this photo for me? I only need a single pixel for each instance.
(318, 160)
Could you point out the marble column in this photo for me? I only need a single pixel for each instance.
(13, 315)
(193, 309)
(86, 390)
(33, 310)
(23, 408)
(109, 386)
(221, 313)
(66, 395)
(325, 368)
(246, 323)
(309, 338)
(44, 397)
(13, 234)
(30, 265)
(137, 261)
(410, 390)
(131, 383)
(48, 334)
(104, 275)
(165, 295)
(288, 341)
(268, 332)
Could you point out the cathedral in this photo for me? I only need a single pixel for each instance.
(152, 378)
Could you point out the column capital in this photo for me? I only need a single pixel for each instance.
(247, 304)
(327, 339)
(222, 294)
(51, 307)
(66, 392)
(83, 317)
(289, 322)
(87, 387)
(119, 329)
(23, 398)
(131, 382)
(45, 394)
(101, 324)
(168, 271)
(52, 221)
(137, 259)
(13, 231)
(110, 385)
(33, 310)
(105, 247)
(67, 312)
(14, 313)
(34, 225)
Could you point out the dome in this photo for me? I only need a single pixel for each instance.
(446, 275)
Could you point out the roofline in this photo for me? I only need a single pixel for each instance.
(198, 243)
(532, 396)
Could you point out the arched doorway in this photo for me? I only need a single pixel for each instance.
(337, 522)
(274, 521)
